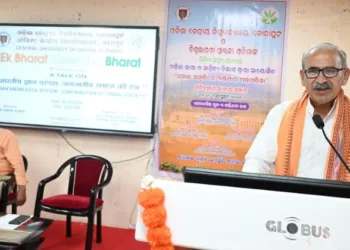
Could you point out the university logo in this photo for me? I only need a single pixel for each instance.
(182, 13)
(136, 42)
(269, 15)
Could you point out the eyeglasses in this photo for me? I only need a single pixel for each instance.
(330, 72)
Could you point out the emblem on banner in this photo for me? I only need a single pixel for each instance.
(182, 13)
(4, 39)
(269, 15)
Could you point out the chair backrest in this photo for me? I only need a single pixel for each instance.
(25, 161)
(86, 172)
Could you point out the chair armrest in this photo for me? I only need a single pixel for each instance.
(93, 195)
(49, 179)
(42, 184)
(5, 177)
(96, 189)
(99, 187)
(11, 178)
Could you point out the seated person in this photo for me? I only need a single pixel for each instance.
(289, 143)
(11, 161)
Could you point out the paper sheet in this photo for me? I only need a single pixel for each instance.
(5, 219)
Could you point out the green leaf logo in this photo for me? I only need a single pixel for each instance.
(269, 15)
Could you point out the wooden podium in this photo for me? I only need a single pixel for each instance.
(228, 218)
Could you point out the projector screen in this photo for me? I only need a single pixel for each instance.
(79, 78)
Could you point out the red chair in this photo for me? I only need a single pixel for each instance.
(88, 174)
(12, 197)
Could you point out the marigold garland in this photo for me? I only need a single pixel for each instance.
(154, 216)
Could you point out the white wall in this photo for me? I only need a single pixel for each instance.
(311, 22)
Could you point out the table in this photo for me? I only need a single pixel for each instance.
(34, 240)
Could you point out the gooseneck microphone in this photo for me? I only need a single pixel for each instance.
(320, 124)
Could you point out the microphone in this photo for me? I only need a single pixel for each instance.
(320, 125)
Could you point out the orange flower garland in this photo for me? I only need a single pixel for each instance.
(154, 217)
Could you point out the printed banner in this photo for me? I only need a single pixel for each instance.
(223, 73)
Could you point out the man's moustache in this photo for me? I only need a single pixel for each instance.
(322, 86)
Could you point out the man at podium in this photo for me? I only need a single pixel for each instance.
(289, 143)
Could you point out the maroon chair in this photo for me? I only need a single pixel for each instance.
(88, 174)
(12, 197)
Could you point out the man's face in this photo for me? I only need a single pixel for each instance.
(323, 87)
(182, 13)
(3, 39)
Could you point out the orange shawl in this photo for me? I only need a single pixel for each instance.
(290, 136)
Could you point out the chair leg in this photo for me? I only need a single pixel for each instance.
(69, 226)
(14, 208)
(90, 230)
(3, 208)
(37, 211)
(99, 227)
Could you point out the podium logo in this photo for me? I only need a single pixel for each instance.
(292, 229)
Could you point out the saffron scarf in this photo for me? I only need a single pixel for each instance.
(290, 136)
